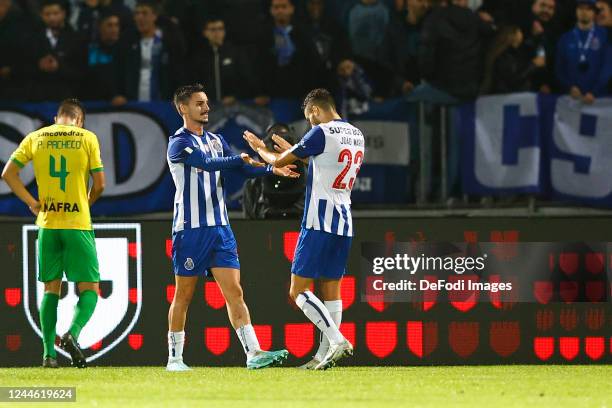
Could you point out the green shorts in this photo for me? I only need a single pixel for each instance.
(67, 250)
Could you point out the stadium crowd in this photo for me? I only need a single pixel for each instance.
(142, 50)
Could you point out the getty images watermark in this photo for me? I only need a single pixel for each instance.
(427, 264)
(512, 272)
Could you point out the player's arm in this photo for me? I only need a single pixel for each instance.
(312, 144)
(179, 151)
(273, 158)
(96, 169)
(10, 174)
(281, 145)
(99, 183)
(251, 172)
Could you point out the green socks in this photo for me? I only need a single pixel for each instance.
(48, 320)
(83, 311)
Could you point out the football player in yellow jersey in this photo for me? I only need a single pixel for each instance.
(64, 155)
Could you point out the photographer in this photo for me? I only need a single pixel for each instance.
(272, 196)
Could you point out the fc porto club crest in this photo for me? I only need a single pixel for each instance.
(189, 265)
(120, 299)
(216, 145)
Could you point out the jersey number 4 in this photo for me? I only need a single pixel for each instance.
(61, 174)
(345, 155)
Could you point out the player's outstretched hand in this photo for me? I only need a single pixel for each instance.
(250, 161)
(281, 144)
(253, 141)
(286, 171)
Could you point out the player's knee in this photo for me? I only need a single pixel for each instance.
(54, 287)
(294, 293)
(182, 300)
(234, 294)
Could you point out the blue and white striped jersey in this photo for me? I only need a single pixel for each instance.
(198, 164)
(337, 150)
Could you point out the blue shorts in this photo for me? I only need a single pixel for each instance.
(195, 251)
(320, 254)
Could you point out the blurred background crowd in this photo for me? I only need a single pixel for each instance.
(362, 50)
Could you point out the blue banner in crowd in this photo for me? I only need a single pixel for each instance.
(527, 143)
(134, 139)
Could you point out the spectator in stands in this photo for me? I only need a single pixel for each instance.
(191, 15)
(12, 27)
(367, 22)
(507, 67)
(604, 14)
(565, 15)
(88, 12)
(543, 13)
(222, 66)
(103, 62)
(451, 50)
(502, 11)
(402, 46)
(55, 59)
(367, 25)
(152, 62)
(329, 42)
(542, 30)
(355, 90)
(286, 55)
(604, 19)
(581, 56)
(399, 6)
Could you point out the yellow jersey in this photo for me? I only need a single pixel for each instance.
(63, 156)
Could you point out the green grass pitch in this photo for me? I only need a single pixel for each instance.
(481, 386)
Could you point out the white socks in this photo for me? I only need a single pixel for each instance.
(249, 341)
(246, 334)
(334, 307)
(176, 340)
(317, 313)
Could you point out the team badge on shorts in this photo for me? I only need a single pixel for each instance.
(189, 264)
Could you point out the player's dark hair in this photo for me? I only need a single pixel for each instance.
(47, 3)
(152, 4)
(319, 97)
(183, 94)
(71, 108)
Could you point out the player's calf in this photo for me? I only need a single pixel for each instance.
(317, 313)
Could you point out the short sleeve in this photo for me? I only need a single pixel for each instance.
(179, 149)
(312, 144)
(23, 154)
(95, 159)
